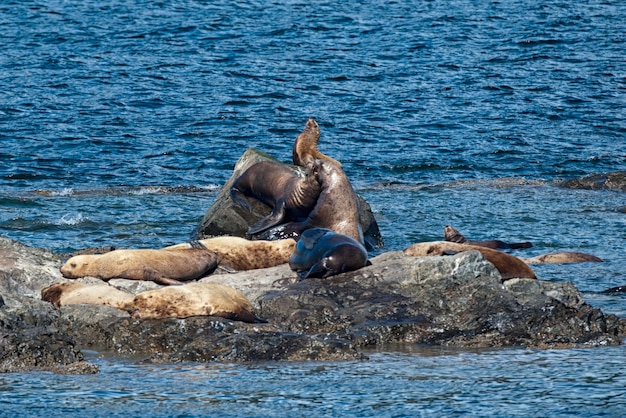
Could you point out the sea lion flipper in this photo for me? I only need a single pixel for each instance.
(310, 239)
(273, 219)
(240, 199)
(316, 269)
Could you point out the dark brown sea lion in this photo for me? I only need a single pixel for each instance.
(305, 147)
(509, 266)
(160, 266)
(237, 253)
(193, 299)
(453, 235)
(562, 257)
(291, 197)
(337, 207)
(321, 252)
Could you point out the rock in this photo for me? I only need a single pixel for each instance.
(454, 300)
(226, 218)
(457, 300)
(613, 181)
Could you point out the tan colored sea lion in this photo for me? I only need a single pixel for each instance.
(508, 265)
(290, 196)
(160, 266)
(241, 254)
(337, 207)
(305, 150)
(453, 235)
(321, 252)
(562, 257)
(193, 299)
(74, 293)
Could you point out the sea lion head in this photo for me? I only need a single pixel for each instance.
(312, 126)
(75, 266)
(453, 235)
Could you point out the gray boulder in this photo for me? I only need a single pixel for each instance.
(226, 218)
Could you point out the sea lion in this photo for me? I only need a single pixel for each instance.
(321, 252)
(508, 265)
(290, 196)
(237, 253)
(193, 299)
(337, 207)
(305, 149)
(74, 293)
(160, 266)
(562, 257)
(453, 235)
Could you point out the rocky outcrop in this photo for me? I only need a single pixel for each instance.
(455, 300)
(224, 217)
(612, 181)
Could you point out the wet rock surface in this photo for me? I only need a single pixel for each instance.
(454, 300)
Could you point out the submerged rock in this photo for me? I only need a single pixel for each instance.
(224, 217)
(612, 181)
(454, 300)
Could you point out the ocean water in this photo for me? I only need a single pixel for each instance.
(120, 121)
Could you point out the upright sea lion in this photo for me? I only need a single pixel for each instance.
(192, 299)
(241, 254)
(76, 293)
(337, 207)
(321, 252)
(305, 146)
(160, 266)
(291, 197)
(509, 266)
(453, 235)
(562, 257)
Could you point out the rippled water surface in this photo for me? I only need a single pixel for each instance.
(120, 121)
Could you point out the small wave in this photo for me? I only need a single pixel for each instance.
(72, 219)
(127, 190)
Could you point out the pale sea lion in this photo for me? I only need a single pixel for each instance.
(159, 266)
(337, 207)
(237, 253)
(453, 235)
(74, 293)
(305, 149)
(508, 265)
(321, 252)
(562, 257)
(290, 196)
(193, 299)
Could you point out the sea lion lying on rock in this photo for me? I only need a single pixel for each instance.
(322, 253)
(290, 196)
(237, 253)
(337, 207)
(305, 150)
(562, 257)
(160, 266)
(76, 293)
(193, 299)
(508, 265)
(453, 235)
(189, 299)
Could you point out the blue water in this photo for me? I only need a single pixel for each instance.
(120, 121)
